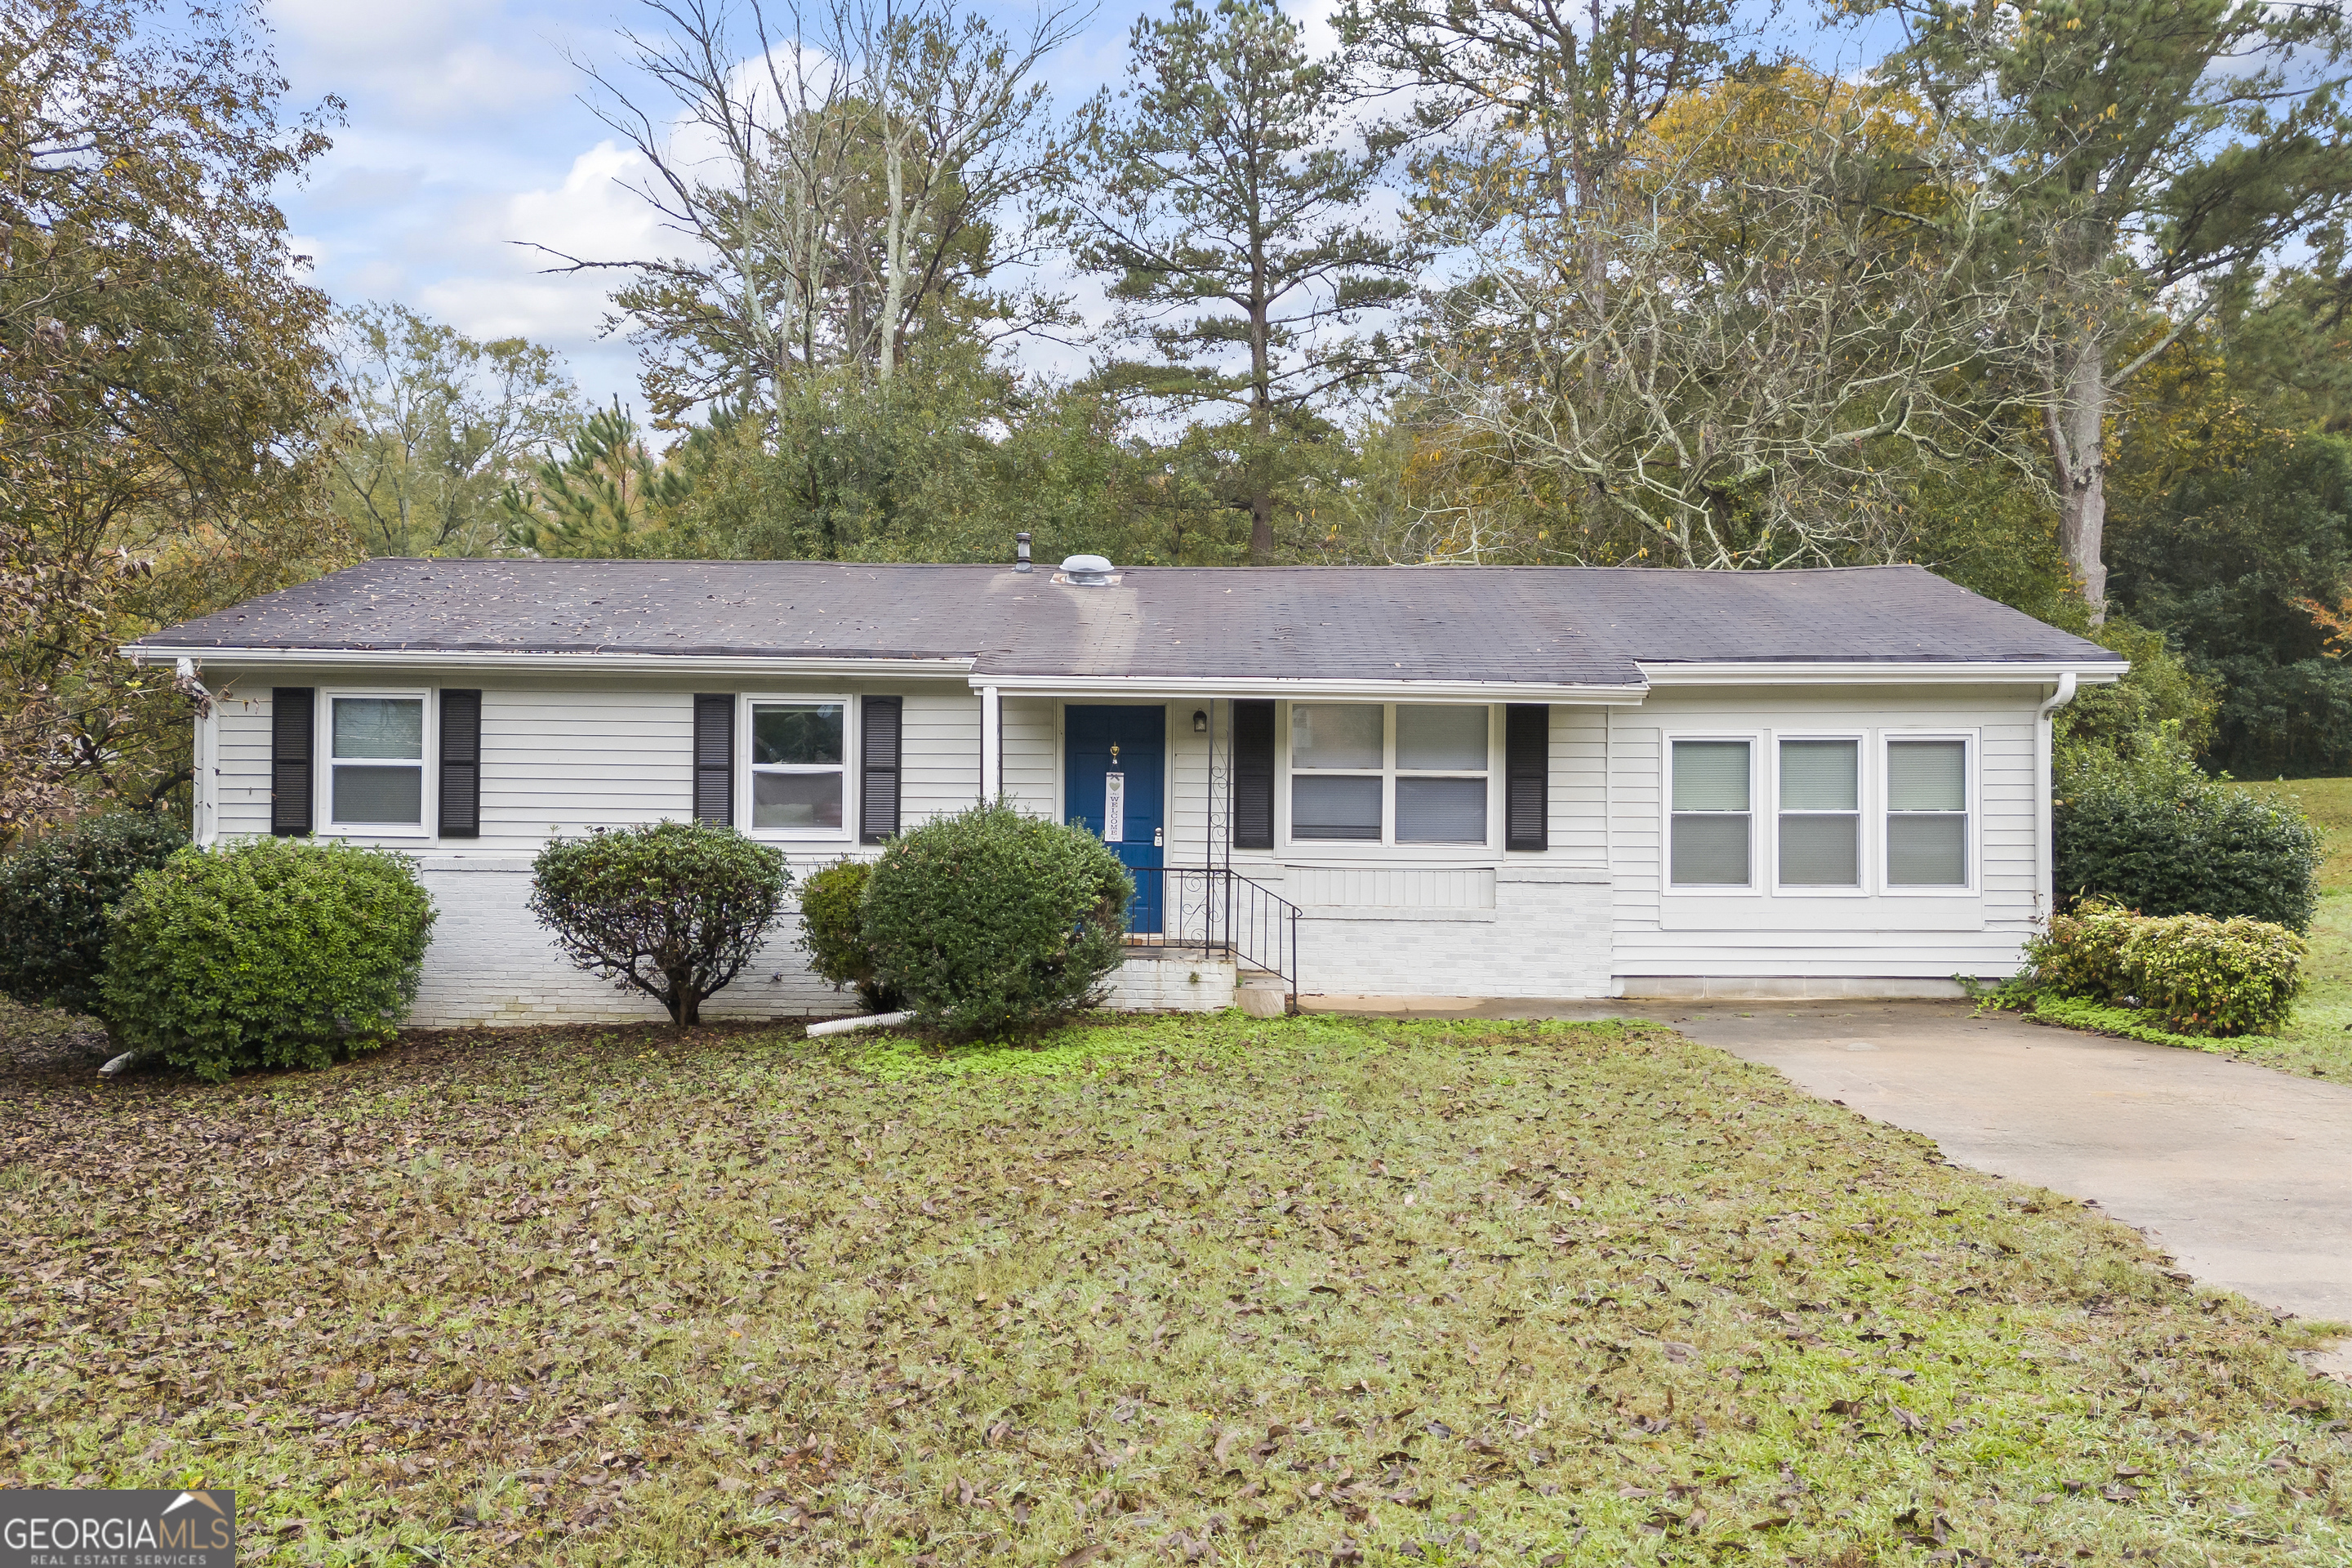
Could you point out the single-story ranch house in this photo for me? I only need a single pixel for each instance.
(1461, 782)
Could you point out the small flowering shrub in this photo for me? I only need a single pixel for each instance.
(2206, 976)
(2199, 975)
(2083, 953)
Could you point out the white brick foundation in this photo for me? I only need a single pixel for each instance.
(491, 964)
(1548, 935)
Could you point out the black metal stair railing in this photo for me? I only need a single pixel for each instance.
(1215, 909)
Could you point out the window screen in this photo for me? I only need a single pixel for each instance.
(1345, 777)
(376, 767)
(1821, 813)
(797, 771)
(1927, 813)
(1337, 784)
(1433, 740)
(1710, 820)
(1326, 735)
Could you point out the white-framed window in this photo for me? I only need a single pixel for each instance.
(1711, 819)
(1411, 774)
(1929, 845)
(374, 762)
(1817, 833)
(797, 774)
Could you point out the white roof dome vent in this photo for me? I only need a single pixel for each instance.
(1087, 571)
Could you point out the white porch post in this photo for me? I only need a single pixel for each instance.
(992, 745)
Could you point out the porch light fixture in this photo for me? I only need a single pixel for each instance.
(1200, 721)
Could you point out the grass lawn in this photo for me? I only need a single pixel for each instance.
(2319, 1041)
(1172, 1289)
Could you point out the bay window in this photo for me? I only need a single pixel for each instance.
(1402, 772)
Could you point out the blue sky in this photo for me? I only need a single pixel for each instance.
(463, 134)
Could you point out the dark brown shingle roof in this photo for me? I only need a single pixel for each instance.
(1549, 625)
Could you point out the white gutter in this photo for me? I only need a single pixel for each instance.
(2045, 873)
(1867, 672)
(1282, 686)
(586, 662)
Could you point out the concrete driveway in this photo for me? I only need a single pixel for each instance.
(2243, 1174)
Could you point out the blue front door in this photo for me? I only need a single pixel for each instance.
(1121, 752)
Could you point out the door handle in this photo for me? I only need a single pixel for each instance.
(1157, 841)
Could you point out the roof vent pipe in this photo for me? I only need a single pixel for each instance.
(1021, 554)
(1087, 571)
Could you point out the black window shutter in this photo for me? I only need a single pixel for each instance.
(714, 758)
(882, 719)
(461, 764)
(293, 718)
(1527, 776)
(1252, 776)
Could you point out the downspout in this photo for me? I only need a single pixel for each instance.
(1609, 841)
(2045, 869)
(205, 771)
(992, 745)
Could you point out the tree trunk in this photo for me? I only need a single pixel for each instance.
(1261, 502)
(1261, 493)
(893, 249)
(2078, 459)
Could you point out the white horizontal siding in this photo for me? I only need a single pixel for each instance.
(1031, 750)
(556, 764)
(1775, 935)
(1393, 886)
(239, 785)
(1578, 831)
(939, 757)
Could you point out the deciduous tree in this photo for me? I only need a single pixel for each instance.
(2137, 149)
(161, 374)
(441, 424)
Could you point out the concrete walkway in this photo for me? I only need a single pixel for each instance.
(2243, 1174)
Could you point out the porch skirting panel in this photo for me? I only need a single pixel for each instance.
(1546, 934)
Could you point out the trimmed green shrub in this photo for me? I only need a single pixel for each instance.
(674, 909)
(55, 892)
(278, 953)
(2167, 841)
(2194, 974)
(832, 921)
(989, 922)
